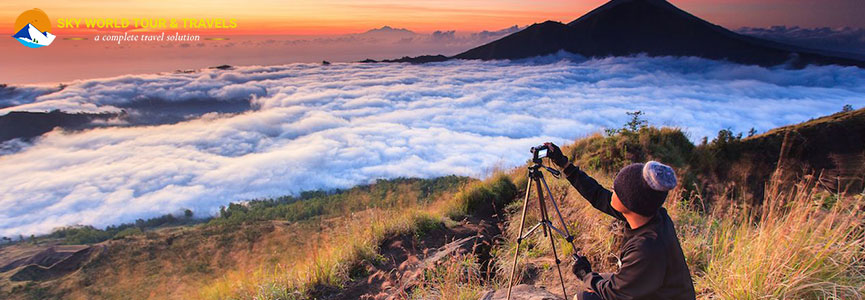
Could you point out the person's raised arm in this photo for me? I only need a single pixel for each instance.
(588, 187)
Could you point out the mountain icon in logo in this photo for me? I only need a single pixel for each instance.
(33, 28)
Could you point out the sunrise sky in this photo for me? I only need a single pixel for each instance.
(344, 16)
(265, 28)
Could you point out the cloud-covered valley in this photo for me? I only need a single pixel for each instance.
(311, 126)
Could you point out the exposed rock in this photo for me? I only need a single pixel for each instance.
(412, 269)
(407, 257)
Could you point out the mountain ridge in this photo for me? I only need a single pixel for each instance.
(651, 27)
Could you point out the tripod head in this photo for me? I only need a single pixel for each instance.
(538, 153)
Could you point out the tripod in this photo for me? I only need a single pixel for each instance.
(537, 177)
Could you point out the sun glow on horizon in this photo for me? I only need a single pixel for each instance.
(277, 32)
(343, 16)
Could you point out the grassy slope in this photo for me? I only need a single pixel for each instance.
(803, 244)
(794, 238)
(804, 241)
(801, 239)
(731, 164)
(334, 260)
(256, 238)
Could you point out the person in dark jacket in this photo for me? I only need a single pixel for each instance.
(652, 263)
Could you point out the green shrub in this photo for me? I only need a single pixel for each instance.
(82, 235)
(610, 153)
(425, 224)
(495, 192)
(128, 232)
(89, 235)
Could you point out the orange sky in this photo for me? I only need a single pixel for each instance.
(346, 16)
(266, 28)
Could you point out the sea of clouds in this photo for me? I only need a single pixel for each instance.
(322, 127)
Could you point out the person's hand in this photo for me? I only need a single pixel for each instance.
(556, 156)
(581, 266)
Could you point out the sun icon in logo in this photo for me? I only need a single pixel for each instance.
(32, 29)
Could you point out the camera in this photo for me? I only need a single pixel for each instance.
(539, 152)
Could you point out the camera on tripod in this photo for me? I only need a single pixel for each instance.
(539, 152)
(536, 178)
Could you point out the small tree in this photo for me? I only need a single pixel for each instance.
(187, 213)
(726, 136)
(847, 108)
(752, 132)
(637, 121)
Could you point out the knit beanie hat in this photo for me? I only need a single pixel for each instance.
(642, 188)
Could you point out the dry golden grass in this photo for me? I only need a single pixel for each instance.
(255, 253)
(798, 245)
(457, 278)
(330, 261)
(326, 261)
(802, 243)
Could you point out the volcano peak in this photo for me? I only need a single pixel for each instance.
(651, 27)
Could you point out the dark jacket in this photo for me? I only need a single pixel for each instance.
(653, 265)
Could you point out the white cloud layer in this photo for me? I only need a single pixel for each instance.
(322, 127)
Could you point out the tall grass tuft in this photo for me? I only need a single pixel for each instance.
(796, 246)
(457, 278)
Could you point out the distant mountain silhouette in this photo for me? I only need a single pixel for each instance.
(389, 29)
(653, 27)
(26, 125)
(846, 42)
(415, 60)
(388, 32)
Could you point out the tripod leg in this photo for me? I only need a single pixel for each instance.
(555, 255)
(569, 237)
(541, 202)
(519, 236)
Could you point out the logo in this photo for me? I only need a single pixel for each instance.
(32, 29)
